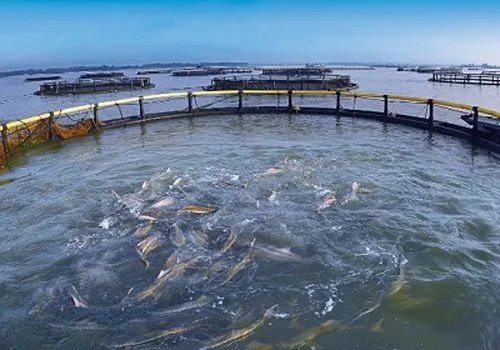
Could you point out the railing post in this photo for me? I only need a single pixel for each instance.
(240, 100)
(386, 106)
(190, 101)
(50, 124)
(290, 100)
(95, 114)
(430, 120)
(338, 102)
(5, 141)
(475, 125)
(142, 115)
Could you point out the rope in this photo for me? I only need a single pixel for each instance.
(120, 109)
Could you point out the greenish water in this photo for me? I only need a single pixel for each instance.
(411, 239)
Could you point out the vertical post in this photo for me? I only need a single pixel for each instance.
(386, 106)
(5, 141)
(95, 114)
(338, 102)
(142, 115)
(240, 100)
(430, 120)
(190, 101)
(474, 125)
(290, 100)
(50, 126)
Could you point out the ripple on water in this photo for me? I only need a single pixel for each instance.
(405, 205)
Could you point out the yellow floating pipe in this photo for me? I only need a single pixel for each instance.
(265, 92)
(57, 113)
(166, 95)
(212, 93)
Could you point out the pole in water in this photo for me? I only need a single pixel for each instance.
(386, 106)
(190, 101)
(50, 123)
(475, 109)
(430, 121)
(141, 107)
(290, 100)
(240, 100)
(338, 102)
(94, 111)
(5, 142)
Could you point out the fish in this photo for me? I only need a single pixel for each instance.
(177, 237)
(197, 237)
(196, 209)
(272, 171)
(201, 301)
(77, 299)
(255, 345)
(241, 265)
(164, 276)
(275, 253)
(151, 337)
(328, 201)
(147, 244)
(400, 282)
(306, 338)
(143, 231)
(162, 203)
(146, 218)
(242, 333)
(231, 239)
(378, 326)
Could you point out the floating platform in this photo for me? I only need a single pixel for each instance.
(486, 123)
(261, 82)
(294, 71)
(154, 71)
(101, 75)
(198, 72)
(482, 78)
(86, 86)
(43, 78)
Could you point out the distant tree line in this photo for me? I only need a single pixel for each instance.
(105, 67)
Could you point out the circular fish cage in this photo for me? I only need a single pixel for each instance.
(249, 221)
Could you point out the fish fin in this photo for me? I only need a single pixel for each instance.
(378, 326)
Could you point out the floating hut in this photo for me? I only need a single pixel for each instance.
(262, 82)
(85, 86)
(480, 78)
(43, 78)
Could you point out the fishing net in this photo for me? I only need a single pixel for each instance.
(81, 128)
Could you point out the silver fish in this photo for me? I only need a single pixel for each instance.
(77, 299)
(162, 203)
(242, 333)
(275, 253)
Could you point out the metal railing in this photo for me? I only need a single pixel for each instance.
(138, 109)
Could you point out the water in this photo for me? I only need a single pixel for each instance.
(411, 238)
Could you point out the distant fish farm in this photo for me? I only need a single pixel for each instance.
(94, 83)
(43, 78)
(154, 71)
(297, 82)
(476, 78)
(203, 71)
(291, 71)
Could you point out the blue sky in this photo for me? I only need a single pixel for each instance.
(61, 33)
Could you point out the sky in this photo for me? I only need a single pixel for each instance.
(55, 33)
